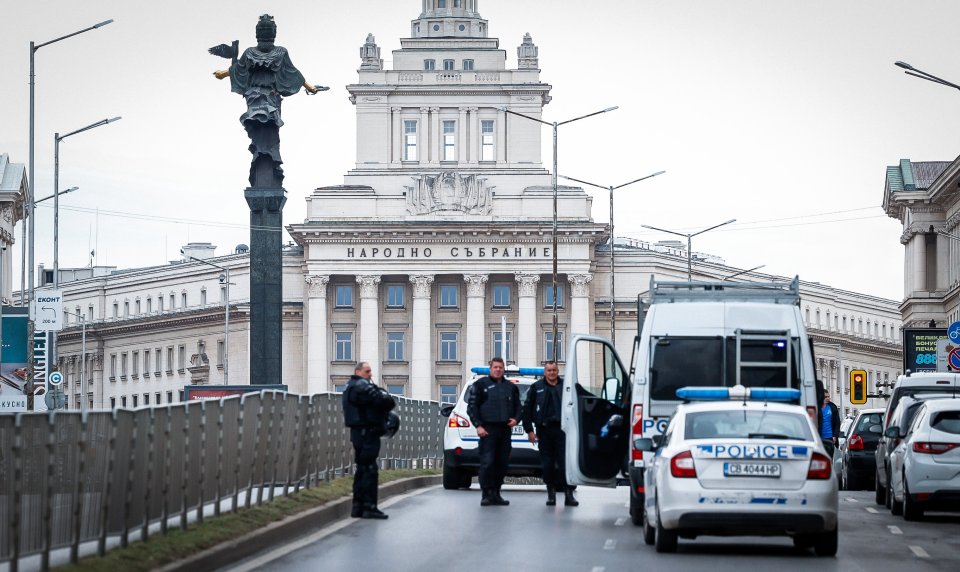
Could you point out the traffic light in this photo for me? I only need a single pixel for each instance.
(858, 387)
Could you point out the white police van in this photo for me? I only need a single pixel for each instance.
(461, 458)
(700, 333)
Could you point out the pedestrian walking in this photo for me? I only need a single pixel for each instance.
(365, 410)
(494, 409)
(541, 422)
(829, 424)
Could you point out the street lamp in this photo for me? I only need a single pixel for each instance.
(224, 279)
(555, 125)
(910, 70)
(57, 138)
(611, 188)
(61, 193)
(29, 205)
(689, 238)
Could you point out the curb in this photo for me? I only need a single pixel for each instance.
(278, 533)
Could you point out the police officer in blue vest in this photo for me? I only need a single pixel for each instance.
(494, 409)
(365, 410)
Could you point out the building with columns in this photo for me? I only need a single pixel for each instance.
(438, 239)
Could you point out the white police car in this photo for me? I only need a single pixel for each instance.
(461, 458)
(740, 464)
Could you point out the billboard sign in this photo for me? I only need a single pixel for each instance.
(920, 348)
(13, 359)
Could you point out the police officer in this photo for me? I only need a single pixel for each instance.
(365, 408)
(494, 409)
(542, 409)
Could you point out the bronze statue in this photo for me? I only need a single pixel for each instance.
(264, 75)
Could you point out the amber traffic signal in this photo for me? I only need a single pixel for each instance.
(858, 387)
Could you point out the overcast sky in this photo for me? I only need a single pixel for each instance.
(782, 114)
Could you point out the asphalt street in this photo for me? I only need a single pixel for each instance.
(435, 529)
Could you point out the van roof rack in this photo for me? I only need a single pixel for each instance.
(773, 292)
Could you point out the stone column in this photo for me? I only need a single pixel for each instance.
(462, 136)
(421, 380)
(396, 155)
(318, 378)
(474, 136)
(579, 318)
(423, 134)
(370, 323)
(476, 335)
(501, 128)
(920, 262)
(527, 319)
(435, 134)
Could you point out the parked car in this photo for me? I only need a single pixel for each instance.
(925, 466)
(841, 439)
(858, 463)
(901, 418)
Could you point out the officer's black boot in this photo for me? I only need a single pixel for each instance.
(497, 499)
(551, 496)
(485, 500)
(374, 513)
(569, 499)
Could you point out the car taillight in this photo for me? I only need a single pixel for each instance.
(820, 468)
(637, 430)
(681, 466)
(457, 421)
(855, 443)
(812, 413)
(933, 448)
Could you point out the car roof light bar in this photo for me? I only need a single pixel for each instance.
(518, 371)
(738, 392)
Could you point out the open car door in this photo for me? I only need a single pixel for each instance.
(596, 399)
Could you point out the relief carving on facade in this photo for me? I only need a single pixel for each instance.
(369, 286)
(421, 285)
(476, 284)
(528, 284)
(580, 284)
(449, 192)
(317, 285)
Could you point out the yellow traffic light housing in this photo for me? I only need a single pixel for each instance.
(858, 387)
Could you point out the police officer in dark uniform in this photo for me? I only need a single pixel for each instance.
(542, 409)
(494, 409)
(365, 408)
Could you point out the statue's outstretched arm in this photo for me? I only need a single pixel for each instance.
(313, 89)
(221, 74)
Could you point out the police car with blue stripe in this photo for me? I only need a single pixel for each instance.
(461, 456)
(739, 461)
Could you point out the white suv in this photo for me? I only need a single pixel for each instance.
(461, 457)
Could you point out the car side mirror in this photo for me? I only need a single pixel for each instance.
(446, 410)
(893, 432)
(644, 444)
(657, 441)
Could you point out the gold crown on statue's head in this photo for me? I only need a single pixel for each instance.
(266, 29)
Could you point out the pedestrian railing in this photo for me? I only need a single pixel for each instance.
(70, 478)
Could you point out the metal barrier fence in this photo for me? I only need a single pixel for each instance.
(68, 478)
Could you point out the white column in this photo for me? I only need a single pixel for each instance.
(527, 319)
(501, 137)
(920, 259)
(318, 378)
(423, 133)
(474, 136)
(579, 318)
(462, 136)
(476, 291)
(397, 152)
(435, 135)
(421, 382)
(370, 323)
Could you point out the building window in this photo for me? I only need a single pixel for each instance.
(113, 403)
(173, 302)
(449, 296)
(123, 401)
(223, 294)
(160, 303)
(410, 140)
(395, 389)
(146, 362)
(441, 3)
(169, 397)
(220, 353)
(395, 346)
(146, 399)
(456, 3)
(149, 305)
(116, 310)
(90, 313)
(123, 365)
(449, 140)
(344, 341)
(548, 342)
(501, 296)
(203, 297)
(181, 358)
(395, 296)
(136, 364)
(448, 394)
(113, 367)
(136, 308)
(157, 398)
(448, 346)
(344, 297)
(135, 400)
(183, 300)
(448, 65)
(157, 352)
(498, 349)
(486, 140)
(548, 296)
(126, 309)
(468, 65)
(180, 395)
(429, 65)
(169, 359)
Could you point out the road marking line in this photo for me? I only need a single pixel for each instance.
(850, 499)
(610, 544)
(282, 551)
(919, 551)
(619, 522)
(894, 529)
(872, 510)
